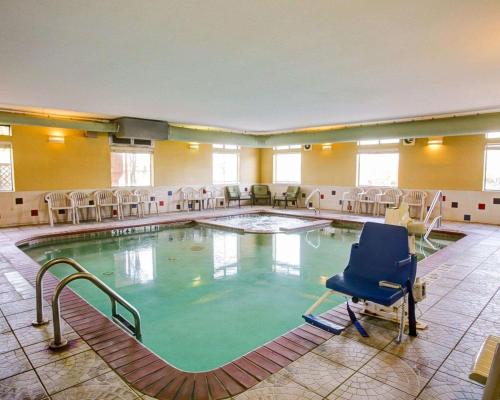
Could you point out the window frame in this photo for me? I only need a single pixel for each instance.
(9, 128)
(289, 150)
(225, 149)
(378, 142)
(133, 150)
(13, 184)
(489, 146)
(377, 151)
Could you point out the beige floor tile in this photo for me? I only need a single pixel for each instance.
(491, 313)
(24, 386)
(361, 387)
(8, 342)
(4, 326)
(71, 371)
(399, 373)
(440, 334)
(345, 351)
(379, 336)
(458, 364)
(106, 387)
(10, 296)
(35, 334)
(24, 319)
(18, 306)
(278, 387)
(446, 387)
(444, 317)
(39, 353)
(317, 373)
(469, 307)
(420, 351)
(470, 343)
(12, 363)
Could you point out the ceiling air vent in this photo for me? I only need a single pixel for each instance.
(136, 128)
(409, 141)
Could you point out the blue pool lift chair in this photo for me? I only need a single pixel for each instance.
(380, 270)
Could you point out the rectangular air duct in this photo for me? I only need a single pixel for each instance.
(142, 128)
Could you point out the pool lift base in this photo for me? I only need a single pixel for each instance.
(44, 321)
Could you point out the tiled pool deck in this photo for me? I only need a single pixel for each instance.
(103, 362)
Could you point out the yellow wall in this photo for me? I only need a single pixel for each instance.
(84, 163)
(78, 163)
(456, 164)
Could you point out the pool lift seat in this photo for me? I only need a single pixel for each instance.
(381, 270)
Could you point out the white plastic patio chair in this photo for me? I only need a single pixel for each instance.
(389, 198)
(83, 201)
(214, 196)
(146, 198)
(368, 198)
(57, 201)
(350, 199)
(189, 197)
(106, 199)
(416, 199)
(127, 198)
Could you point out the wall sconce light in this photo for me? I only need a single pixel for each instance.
(327, 146)
(194, 146)
(56, 139)
(435, 140)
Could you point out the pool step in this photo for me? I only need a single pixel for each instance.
(124, 323)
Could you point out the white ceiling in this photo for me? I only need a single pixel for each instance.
(252, 65)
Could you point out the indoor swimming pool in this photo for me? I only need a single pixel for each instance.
(207, 296)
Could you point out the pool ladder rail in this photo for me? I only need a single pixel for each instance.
(309, 203)
(60, 342)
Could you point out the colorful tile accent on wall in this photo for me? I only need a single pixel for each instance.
(19, 200)
(454, 204)
(467, 217)
(481, 206)
(34, 213)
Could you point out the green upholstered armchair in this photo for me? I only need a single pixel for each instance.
(260, 192)
(233, 193)
(290, 196)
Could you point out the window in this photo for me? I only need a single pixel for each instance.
(373, 142)
(131, 168)
(493, 135)
(287, 167)
(225, 164)
(5, 130)
(6, 175)
(378, 169)
(291, 147)
(492, 168)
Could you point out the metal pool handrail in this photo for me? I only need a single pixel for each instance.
(316, 210)
(39, 289)
(59, 341)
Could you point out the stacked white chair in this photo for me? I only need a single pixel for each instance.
(145, 198)
(214, 196)
(416, 199)
(83, 201)
(351, 199)
(389, 198)
(127, 198)
(369, 199)
(59, 201)
(189, 197)
(105, 199)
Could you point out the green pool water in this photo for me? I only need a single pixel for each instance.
(207, 296)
